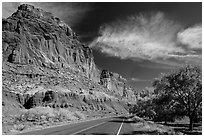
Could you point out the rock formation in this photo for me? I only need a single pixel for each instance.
(116, 84)
(45, 64)
(33, 36)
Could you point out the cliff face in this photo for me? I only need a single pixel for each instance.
(36, 38)
(116, 84)
(45, 65)
(33, 36)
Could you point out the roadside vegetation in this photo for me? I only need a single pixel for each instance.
(176, 95)
(145, 127)
(43, 117)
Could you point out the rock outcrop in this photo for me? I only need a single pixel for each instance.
(45, 65)
(116, 84)
(33, 36)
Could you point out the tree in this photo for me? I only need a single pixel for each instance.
(144, 107)
(186, 86)
(185, 89)
(165, 107)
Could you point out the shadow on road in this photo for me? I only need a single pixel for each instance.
(120, 121)
(123, 119)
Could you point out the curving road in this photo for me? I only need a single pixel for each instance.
(107, 126)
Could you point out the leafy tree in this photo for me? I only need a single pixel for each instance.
(182, 89)
(165, 107)
(143, 107)
(186, 87)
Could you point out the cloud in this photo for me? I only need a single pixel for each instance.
(192, 37)
(189, 59)
(70, 13)
(138, 80)
(147, 36)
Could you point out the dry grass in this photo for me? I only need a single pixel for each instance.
(150, 128)
(42, 116)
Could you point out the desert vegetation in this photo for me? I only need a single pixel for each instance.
(42, 117)
(176, 95)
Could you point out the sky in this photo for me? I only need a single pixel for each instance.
(137, 40)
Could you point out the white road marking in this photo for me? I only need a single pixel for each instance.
(87, 128)
(120, 127)
(64, 124)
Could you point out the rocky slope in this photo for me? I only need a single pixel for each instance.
(33, 36)
(117, 85)
(45, 65)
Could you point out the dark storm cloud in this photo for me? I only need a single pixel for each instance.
(70, 13)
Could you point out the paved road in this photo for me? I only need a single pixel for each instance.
(107, 126)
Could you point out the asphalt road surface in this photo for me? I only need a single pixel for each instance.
(107, 126)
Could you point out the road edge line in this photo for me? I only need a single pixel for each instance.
(120, 127)
(63, 124)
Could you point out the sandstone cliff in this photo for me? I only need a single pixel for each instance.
(33, 36)
(116, 84)
(45, 65)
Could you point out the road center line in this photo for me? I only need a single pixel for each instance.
(120, 127)
(87, 128)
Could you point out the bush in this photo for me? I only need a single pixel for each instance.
(79, 115)
(40, 114)
(19, 127)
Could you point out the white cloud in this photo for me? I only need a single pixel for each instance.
(148, 36)
(138, 80)
(192, 37)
